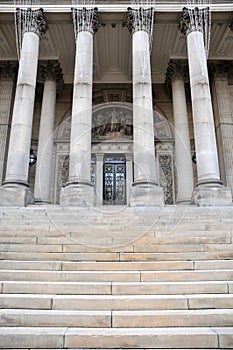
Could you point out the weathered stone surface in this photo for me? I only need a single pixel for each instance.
(130, 302)
(57, 287)
(141, 338)
(32, 337)
(55, 318)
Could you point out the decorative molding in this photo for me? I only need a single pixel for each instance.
(140, 19)
(85, 20)
(32, 21)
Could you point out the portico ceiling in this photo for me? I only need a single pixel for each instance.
(112, 44)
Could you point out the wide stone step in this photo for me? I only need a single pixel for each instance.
(54, 318)
(117, 288)
(117, 256)
(115, 266)
(125, 319)
(116, 302)
(118, 276)
(105, 338)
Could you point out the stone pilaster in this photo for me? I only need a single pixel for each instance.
(15, 189)
(209, 189)
(224, 113)
(145, 189)
(51, 73)
(7, 82)
(78, 190)
(176, 74)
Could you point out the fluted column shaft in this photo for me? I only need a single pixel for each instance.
(184, 170)
(51, 73)
(146, 189)
(79, 191)
(209, 190)
(21, 127)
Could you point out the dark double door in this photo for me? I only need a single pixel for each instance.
(114, 181)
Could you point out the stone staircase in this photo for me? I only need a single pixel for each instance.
(134, 278)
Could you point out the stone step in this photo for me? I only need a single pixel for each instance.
(52, 239)
(117, 338)
(172, 318)
(117, 256)
(121, 302)
(116, 288)
(116, 319)
(150, 337)
(54, 318)
(117, 276)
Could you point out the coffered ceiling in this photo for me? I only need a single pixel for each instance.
(112, 44)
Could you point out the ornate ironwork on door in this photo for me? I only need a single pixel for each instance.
(115, 181)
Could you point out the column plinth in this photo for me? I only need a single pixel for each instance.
(145, 189)
(209, 189)
(15, 190)
(79, 190)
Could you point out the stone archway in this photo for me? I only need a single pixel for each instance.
(112, 132)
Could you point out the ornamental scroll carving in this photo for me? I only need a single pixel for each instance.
(166, 176)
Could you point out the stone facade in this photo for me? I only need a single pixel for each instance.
(155, 126)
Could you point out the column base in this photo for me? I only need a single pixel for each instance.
(77, 195)
(146, 194)
(15, 195)
(211, 194)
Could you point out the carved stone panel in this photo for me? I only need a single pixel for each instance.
(166, 177)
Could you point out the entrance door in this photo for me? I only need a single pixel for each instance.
(115, 181)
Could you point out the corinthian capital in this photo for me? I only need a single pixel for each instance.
(140, 19)
(51, 70)
(8, 70)
(32, 21)
(176, 70)
(194, 20)
(85, 20)
(220, 71)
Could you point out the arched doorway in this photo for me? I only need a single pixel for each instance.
(112, 153)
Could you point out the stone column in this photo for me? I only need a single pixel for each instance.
(209, 189)
(78, 190)
(176, 74)
(145, 187)
(99, 178)
(7, 77)
(51, 73)
(15, 189)
(224, 116)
